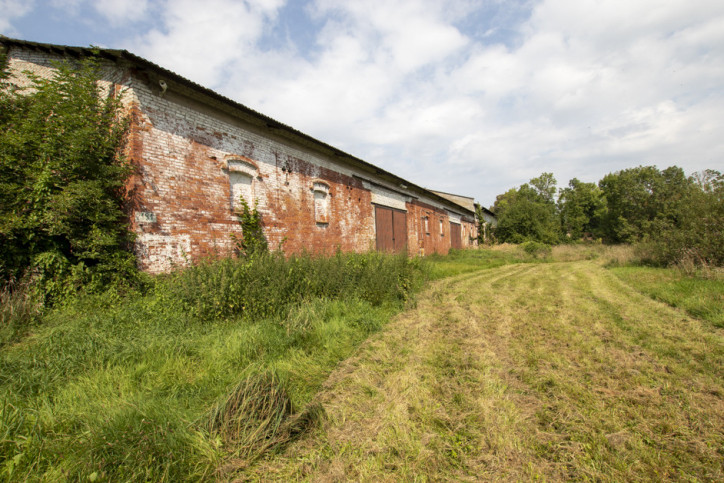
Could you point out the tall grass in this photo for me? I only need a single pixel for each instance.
(269, 284)
(19, 310)
(700, 296)
(212, 368)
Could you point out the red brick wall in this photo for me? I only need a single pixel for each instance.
(180, 195)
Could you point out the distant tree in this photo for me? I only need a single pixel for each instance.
(641, 201)
(693, 230)
(582, 207)
(62, 181)
(545, 187)
(528, 213)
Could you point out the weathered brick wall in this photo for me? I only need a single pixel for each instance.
(180, 199)
(182, 150)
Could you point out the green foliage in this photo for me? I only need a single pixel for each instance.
(536, 249)
(62, 183)
(528, 213)
(581, 207)
(672, 219)
(693, 233)
(252, 241)
(149, 391)
(268, 284)
(642, 200)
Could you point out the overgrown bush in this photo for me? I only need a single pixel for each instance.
(698, 236)
(62, 183)
(252, 240)
(536, 249)
(269, 284)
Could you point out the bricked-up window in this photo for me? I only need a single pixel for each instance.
(241, 183)
(442, 233)
(321, 203)
(426, 224)
(241, 186)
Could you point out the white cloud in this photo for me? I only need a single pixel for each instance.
(200, 40)
(588, 87)
(11, 10)
(121, 11)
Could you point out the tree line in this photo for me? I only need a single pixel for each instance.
(675, 216)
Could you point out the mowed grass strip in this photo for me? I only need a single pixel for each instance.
(554, 371)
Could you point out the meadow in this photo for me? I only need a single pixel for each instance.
(500, 363)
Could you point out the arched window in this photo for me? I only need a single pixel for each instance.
(241, 182)
(321, 202)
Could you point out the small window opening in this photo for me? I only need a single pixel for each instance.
(321, 203)
(241, 182)
(241, 187)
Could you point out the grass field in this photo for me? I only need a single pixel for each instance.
(700, 297)
(505, 367)
(546, 371)
(201, 375)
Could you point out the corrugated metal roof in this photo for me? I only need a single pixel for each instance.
(124, 56)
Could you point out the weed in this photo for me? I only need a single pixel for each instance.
(19, 310)
(123, 391)
(536, 249)
(268, 284)
(257, 416)
(700, 296)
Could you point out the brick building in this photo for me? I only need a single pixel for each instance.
(197, 152)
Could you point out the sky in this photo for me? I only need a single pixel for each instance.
(472, 97)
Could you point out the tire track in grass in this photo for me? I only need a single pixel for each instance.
(554, 371)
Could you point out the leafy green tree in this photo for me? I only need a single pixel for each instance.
(545, 187)
(693, 232)
(643, 200)
(62, 182)
(581, 207)
(528, 213)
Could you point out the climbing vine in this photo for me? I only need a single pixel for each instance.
(252, 240)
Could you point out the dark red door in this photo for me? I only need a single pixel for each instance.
(456, 236)
(383, 223)
(391, 228)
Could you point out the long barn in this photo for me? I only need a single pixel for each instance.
(197, 153)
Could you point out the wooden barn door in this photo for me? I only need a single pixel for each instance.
(391, 228)
(456, 236)
(399, 226)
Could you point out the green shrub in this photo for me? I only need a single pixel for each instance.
(536, 249)
(252, 240)
(62, 184)
(268, 284)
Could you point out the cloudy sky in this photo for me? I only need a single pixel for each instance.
(466, 96)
